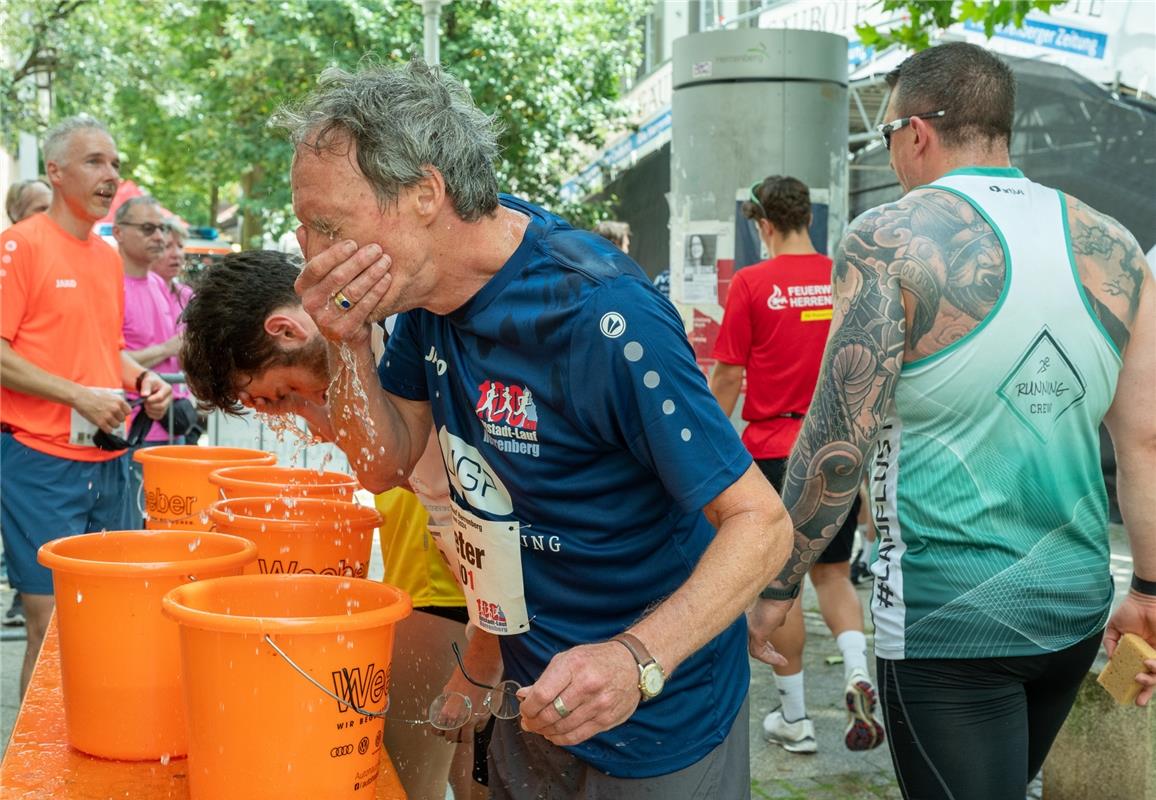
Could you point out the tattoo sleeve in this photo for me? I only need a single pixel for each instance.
(861, 364)
(1111, 266)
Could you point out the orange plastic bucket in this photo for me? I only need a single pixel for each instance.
(273, 481)
(257, 727)
(119, 656)
(176, 486)
(323, 537)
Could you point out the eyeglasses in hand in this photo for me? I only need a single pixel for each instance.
(448, 711)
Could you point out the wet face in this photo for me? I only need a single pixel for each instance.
(142, 245)
(87, 175)
(304, 374)
(333, 202)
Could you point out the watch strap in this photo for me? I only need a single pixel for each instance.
(777, 593)
(636, 648)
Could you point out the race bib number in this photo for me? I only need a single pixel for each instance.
(487, 560)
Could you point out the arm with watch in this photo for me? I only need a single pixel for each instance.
(594, 687)
(1133, 427)
(156, 392)
(839, 432)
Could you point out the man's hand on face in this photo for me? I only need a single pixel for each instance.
(341, 287)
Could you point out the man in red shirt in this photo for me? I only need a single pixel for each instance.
(63, 369)
(775, 327)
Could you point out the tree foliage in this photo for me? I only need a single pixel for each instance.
(925, 17)
(187, 87)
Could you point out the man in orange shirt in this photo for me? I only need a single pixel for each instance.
(63, 372)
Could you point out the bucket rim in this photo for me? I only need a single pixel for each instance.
(193, 453)
(234, 476)
(175, 606)
(221, 513)
(49, 555)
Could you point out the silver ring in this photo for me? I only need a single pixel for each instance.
(560, 707)
(343, 302)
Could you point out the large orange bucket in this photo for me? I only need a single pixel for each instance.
(258, 727)
(273, 481)
(176, 486)
(119, 656)
(323, 537)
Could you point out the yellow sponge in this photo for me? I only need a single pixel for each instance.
(1119, 677)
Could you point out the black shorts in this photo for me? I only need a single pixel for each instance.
(977, 728)
(838, 549)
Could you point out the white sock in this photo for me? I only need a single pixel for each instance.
(791, 694)
(853, 646)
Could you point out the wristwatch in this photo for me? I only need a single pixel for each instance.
(775, 593)
(651, 678)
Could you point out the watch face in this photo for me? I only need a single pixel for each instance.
(652, 680)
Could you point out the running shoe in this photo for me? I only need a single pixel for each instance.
(14, 616)
(794, 737)
(863, 731)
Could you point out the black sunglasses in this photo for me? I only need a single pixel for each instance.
(147, 228)
(887, 128)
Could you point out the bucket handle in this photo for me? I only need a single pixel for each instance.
(342, 700)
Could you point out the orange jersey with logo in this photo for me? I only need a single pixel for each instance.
(62, 309)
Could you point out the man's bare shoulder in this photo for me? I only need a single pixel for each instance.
(948, 261)
(1112, 268)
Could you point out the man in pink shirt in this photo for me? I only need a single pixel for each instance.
(150, 334)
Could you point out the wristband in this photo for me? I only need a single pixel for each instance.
(140, 379)
(1142, 586)
(775, 593)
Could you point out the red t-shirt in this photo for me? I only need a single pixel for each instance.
(777, 316)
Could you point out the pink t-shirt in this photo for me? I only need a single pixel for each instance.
(148, 320)
(179, 295)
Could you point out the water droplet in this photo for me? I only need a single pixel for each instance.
(79, 597)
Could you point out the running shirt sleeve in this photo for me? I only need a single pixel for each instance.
(14, 287)
(633, 367)
(400, 370)
(733, 345)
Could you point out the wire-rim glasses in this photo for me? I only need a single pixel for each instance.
(448, 711)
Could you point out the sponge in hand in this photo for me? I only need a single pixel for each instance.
(1119, 677)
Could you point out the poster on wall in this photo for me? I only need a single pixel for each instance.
(695, 281)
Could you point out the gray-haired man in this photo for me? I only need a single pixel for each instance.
(609, 525)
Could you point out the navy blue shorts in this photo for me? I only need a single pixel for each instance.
(43, 497)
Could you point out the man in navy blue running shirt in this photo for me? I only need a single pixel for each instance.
(609, 528)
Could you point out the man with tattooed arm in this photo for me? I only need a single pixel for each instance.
(983, 327)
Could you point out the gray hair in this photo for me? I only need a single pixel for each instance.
(57, 137)
(133, 202)
(403, 119)
(613, 230)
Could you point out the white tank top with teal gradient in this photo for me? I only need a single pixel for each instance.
(986, 482)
